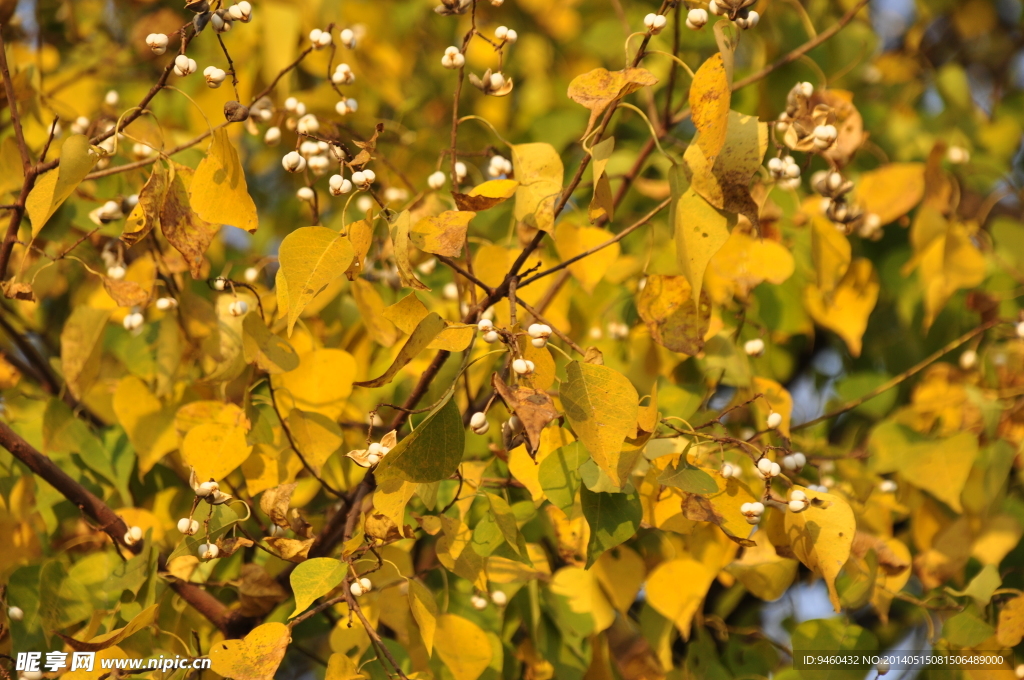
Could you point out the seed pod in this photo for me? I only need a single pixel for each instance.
(235, 112)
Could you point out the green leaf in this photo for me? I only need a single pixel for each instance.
(315, 578)
(268, 351)
(505, 519)
(431, 452)
(310, 258)
(143, 619)
(426, 330)
(688, 478)
(219, 194)
(559, 475)
(602, 406)
(53, 188)
(829, 636)
(966, 630)
(80, 347)
(613, 518)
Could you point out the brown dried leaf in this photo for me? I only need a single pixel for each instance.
(259, 592)
(146, 213)
(368, 147)
(289, 548)
(486, 195)
(534, 408)
(189, 235)
(274, 503)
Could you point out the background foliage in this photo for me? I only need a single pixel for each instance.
(179, 308)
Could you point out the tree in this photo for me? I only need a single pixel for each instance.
(328, 344)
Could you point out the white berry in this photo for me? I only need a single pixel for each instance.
(365, 584)
(188, 526)
(157, 42)
(339, 185)
(133, 321)
(356, 589)
(348, 38)
(208, 551)
(754, 348)
(184, 66)
(293, 162)
(696, 19)
(491, 336)
(479, 603)
(15, 613)
(436, 180)
(887, 486)
(214, 76)
(207, 488)
(241, 12)
(499, 598)
(1020, 329)
(774, 420)
(238, 308)
(797, 506)
(116, 272)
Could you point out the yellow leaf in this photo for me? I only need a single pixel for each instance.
(444, 234)
(743, 262)
(215, 449)
(725, 184)
(81, 347)
(425, 332)
(582, 590)
(676, 588)
(948, 263)
(539, 171)
(310, 258)
(360, 233)
(184, 230)
(821, 536)
(601, 405)
(621, 573)
(846, 310)
(710, 97)
(463, 647)
(262, 469)
(268, 351)
(486, 195)
(830, 251)
(762, 571)
(146, 422)
(12, 173)
(1011, 622)
(219, 194)
(602, 204)
(143, 619)
(340, 667)
(407, 314)
(700, 231)
(371, 311)
(321, 383)
(401, 226)
(424, 611)
(721, 508)
(598, 88)
(886, 584)
(53, 188)
(674, 319)
(777, 399)
(891, 191)
(315, 578)
(571, 241)
(146, 213)
(316, 436)
(255, 657)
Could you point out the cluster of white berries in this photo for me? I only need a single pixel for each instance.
(453, 58)
(767, 469)
(794, 462)
(696, 18)
(461, 171)
(798, 501)
(360, 587)
(157, 42)
(478, 423)
(184, 65)
(749, 21)
(364, 178)
(348, 38)
(293, 161)
(109, 211)
(166, 303)
(825, 136)
(133, 320)
(774, 420)
(346, 106)
(655, 23)
(785, 172)
(523, 366)
(241, 12)
(375, 452)
(754, 348)
(338, 185)
(539, 334)
(499, 166)
(320, 38)
(343, 75)
(188, 526)
(486, 326)
(436, 180)
(752, 511)
(209, 551)
(133, 535)
(214, 76)
(479, 602)
(295, 107)
(618, 330)
(505, 34)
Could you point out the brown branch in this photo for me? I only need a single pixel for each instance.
(42, 466)
(896, 380)
(12, 104)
